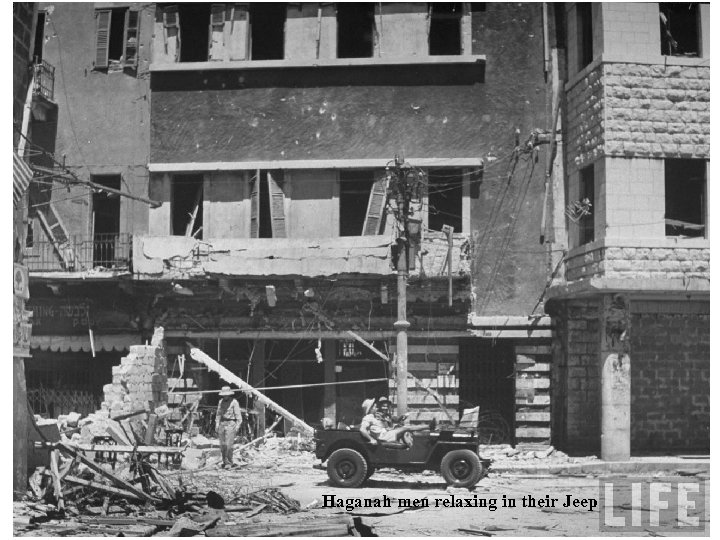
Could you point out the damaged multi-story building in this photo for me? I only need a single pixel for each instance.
(238, 155)
(631, 305)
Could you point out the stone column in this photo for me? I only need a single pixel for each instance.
(615, 378)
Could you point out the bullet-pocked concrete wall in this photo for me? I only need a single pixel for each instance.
(103, 124)
(670, 372)
(508, 261)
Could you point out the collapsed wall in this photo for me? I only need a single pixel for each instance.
(139, 382)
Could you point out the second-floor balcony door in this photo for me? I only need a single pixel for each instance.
(105, 221)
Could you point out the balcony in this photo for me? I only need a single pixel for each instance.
(103, 253)
(44, 81)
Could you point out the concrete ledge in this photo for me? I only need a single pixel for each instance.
(671, 466)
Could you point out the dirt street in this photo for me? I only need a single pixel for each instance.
(298, 479)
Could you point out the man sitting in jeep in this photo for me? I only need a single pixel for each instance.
(378, 425)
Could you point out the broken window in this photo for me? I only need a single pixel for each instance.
(187, 205)
(355, 188)
(445, 28)
(679, 28)
(587, 199)
(194, 19)
(116, 38)
(584, 34)
(105, 220)
(267, 30)
(685, 197)
(267, 203)
(445, 191)
(355, 30)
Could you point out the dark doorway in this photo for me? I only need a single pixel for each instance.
(355, 24)
(487, 380)
(685, 193)
(445, 199)
(355, 187)
(267, 30)
(194, 32)
(265, 217)
(445, 23)
(187, 205)
(106, 220)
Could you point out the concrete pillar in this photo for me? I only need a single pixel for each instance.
(330, 394)
(20, 426)
(257, 374)
(615, 379)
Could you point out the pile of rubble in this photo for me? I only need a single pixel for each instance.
(504, 455)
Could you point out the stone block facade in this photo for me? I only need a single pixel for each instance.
(670, 372)
(601, 260)
(660, 111)
(139, 382)
(638, 110)
(670, 376)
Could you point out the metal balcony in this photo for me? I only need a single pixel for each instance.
(44, 81)
(110, 252)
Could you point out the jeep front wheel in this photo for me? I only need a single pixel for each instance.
(347, 468)
(461, 468)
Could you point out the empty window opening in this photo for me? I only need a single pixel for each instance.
(105, 220)
(194, 31)
(679, 23)
(355, 30)
(187, 205)
(39, 37)
(685, 197)
(355, 188)
(265, 221)
(587, 199)
(445, 25)
(584, 33)
(445, 187)
(267, 28)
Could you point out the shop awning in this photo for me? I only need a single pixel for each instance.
(109, 343)
(21, 178)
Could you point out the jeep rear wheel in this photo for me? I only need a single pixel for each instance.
(347, 468)
(461, 468)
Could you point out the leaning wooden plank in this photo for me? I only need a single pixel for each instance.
(95, 467)
(367, 344)
(102, 487)
(56, 480)
(230, 377)
(85, 447)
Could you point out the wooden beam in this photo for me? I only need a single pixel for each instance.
(226, 375)
(125, 448)
(102, 487)
(367, 344)
(95, 467)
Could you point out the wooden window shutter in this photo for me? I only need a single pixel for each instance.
(132, 37)
(217, 15)
(375, 209)
(170, 17)
(255, 206)
(102, 37)
(277, 204)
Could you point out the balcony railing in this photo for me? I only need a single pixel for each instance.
(44, 80)
(81, 253)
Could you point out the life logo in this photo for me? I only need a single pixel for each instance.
(666, 504)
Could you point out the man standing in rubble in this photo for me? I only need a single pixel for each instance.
(227, 423)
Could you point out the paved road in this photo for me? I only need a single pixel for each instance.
(440, 518)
